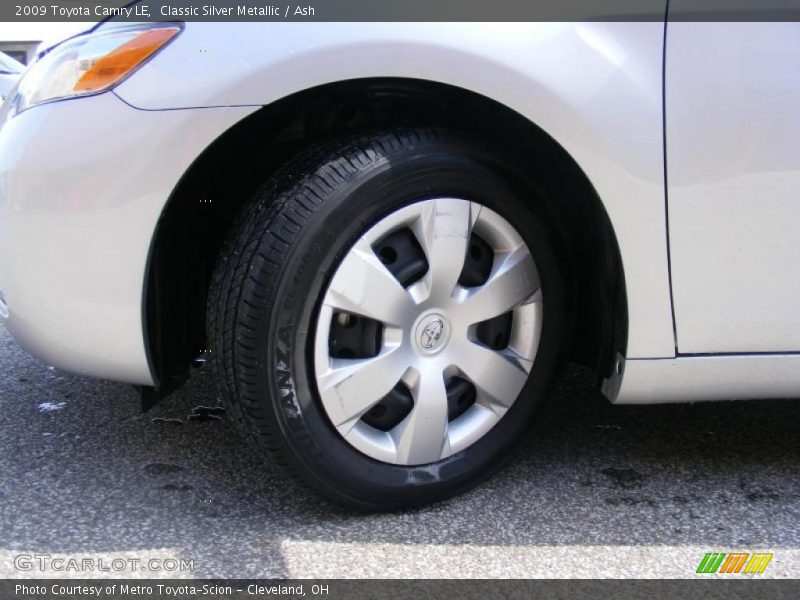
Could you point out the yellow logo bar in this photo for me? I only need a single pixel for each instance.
(758, 563)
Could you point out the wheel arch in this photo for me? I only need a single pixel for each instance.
(198, 215)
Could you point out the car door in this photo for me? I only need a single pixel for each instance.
(732, 100)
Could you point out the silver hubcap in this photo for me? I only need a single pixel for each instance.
(429, 333)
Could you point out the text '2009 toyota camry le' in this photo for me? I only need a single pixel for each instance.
(388, 238)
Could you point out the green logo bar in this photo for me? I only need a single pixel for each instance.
(711, 562)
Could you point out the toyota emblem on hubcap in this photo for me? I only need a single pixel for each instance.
(432, 333)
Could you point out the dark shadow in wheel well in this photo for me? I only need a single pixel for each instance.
(199, 214)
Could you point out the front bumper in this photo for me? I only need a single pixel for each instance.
(83, 183)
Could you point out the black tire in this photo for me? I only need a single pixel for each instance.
(269, 279)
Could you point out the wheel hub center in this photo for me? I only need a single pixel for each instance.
(432, 333)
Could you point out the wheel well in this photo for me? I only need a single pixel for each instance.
(200, 212)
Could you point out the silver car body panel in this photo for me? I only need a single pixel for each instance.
(733, 145)
(691, 378)
(75, 242)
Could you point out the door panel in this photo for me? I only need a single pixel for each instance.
(733, 165)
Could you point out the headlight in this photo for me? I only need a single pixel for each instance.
(89, 64)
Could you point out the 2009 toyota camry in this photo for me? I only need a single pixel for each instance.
(388, 238)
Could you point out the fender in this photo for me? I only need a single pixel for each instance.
(596, 88)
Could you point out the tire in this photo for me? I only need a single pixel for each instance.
(272, 281)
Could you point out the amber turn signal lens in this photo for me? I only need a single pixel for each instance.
(119, 62)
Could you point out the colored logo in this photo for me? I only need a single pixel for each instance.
(735, 562)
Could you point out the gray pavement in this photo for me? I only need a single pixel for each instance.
(597, 491)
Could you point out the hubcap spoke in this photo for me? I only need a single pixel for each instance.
(497, 375)
(351, 387)
(444, 227)
(513, 283)
(363, 286)
(421, 437)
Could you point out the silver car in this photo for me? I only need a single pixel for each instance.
(387, 239)
(10, 71)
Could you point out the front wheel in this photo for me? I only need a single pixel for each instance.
(388, 316)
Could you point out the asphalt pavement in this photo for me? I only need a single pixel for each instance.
(597, 491)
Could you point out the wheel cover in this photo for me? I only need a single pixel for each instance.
(429, 333)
